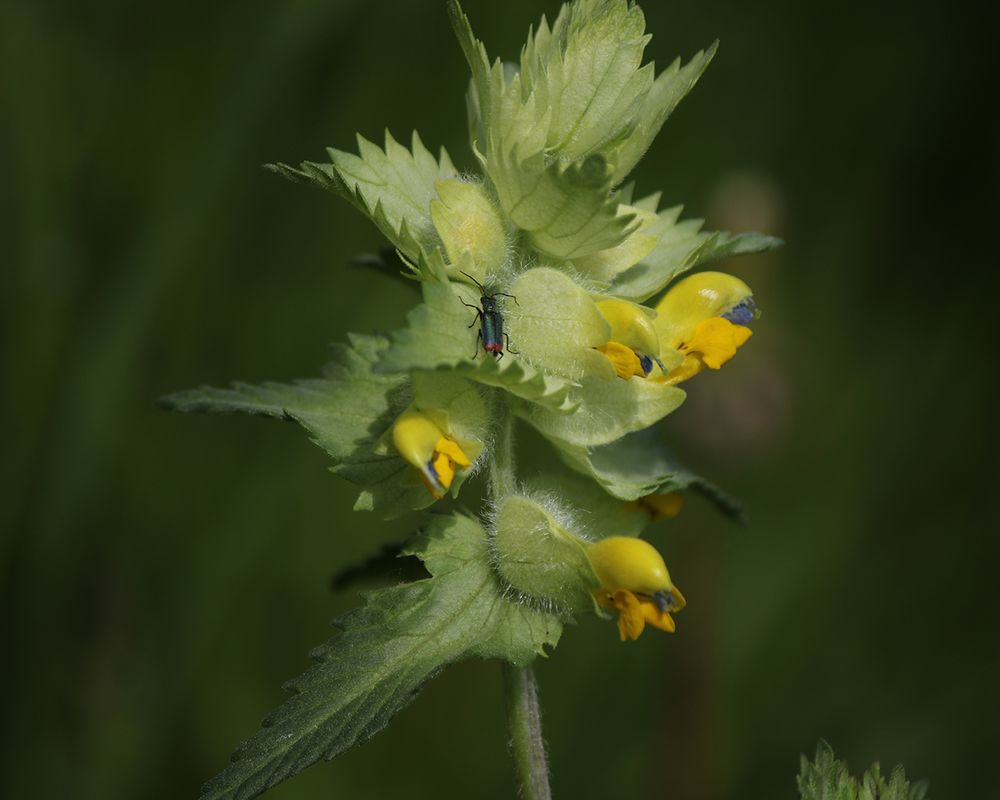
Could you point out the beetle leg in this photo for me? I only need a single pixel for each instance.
(479, 313)
(509, 348)
(479, 338)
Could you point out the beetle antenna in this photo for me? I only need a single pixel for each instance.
(467, 275)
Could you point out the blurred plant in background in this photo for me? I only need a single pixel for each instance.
(548, 248)
(826, 778)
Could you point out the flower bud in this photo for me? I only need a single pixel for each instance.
(470, 227)
(539, 556)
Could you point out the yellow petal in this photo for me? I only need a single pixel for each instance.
(631, 326)
(422, 443)
(631, 619)
(415, 438)
(697, 297)
(712, 343)
(679, 601)
(451, 449)
(716, 340)
(625, 562)
(624, 360)
(655, 617)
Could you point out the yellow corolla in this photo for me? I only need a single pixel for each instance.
(424, 445)
(704, 320)
(634, 344)
(634, 582)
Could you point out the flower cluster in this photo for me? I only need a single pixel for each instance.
(552, 295)
(541, 275)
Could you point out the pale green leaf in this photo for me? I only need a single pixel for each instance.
(394, 187)
(667, 91)
(603, 266)
(638, 465)
(593, 81)
(682, 246)
(487, 86)
(348, 412)
(567, 210)
(609, 408)
(384, 652)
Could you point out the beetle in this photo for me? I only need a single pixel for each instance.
(491, 332)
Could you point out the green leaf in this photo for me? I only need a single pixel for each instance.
(638, 465)
(567, 210)
(682, 246)
(394, 187)
(346, 412)
(592, 80)
(668, 90)
(487, 86)
(602, 267)
(438, 337)
(382, 655)
(609, 408)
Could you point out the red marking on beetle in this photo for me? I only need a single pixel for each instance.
(493, 348)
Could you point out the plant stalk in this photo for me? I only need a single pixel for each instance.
(524, 718)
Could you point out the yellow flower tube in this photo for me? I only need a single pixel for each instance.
(635, 583)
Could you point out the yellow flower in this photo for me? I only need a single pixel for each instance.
(634, 582)
(704, 319)
(435, 455)
(634, 344)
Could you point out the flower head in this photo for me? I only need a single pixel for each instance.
(634, 582)
(424, 445)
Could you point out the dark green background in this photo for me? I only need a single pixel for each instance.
(160, 576)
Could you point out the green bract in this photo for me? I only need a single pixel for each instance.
(532, 273)
(540, 557)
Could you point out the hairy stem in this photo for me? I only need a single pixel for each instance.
(501, 470)
(524, 718)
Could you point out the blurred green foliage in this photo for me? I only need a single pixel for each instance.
(826, 778)
(161, 576)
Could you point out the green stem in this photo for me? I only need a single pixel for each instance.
(524, 719)
(502, 482)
